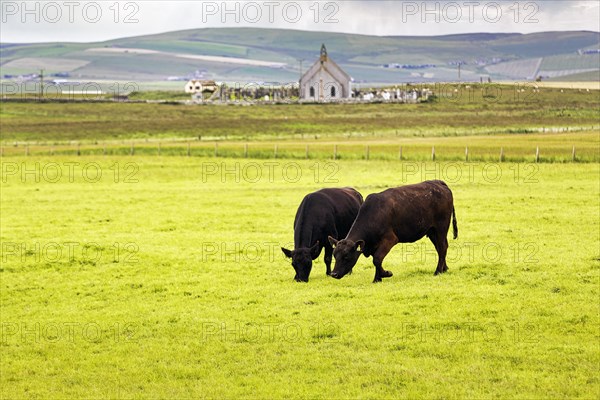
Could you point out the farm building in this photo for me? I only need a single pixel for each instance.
(199, 86)
(325, 81)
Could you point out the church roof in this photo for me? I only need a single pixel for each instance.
(326, 63)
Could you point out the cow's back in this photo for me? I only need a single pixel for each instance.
(325, 212)
(407, 211)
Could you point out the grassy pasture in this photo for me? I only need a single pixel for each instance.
(571, 61)
(162, 277)
(465, 110)
(514, 147)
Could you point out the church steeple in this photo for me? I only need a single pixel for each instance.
(325, 81)
(323, 53)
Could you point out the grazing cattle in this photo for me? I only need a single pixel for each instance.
(398, 215)
(327, 212)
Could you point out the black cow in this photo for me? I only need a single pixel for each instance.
(327, 212)
(398, 215)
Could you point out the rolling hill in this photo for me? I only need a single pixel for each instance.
(271, 55)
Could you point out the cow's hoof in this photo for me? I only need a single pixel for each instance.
(387, 274)
(376, 280)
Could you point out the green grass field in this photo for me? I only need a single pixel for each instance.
(457, 110)
(158, 274)
(155, 277)
(490, 120)
(580, 146)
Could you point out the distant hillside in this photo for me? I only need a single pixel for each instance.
(270, 55)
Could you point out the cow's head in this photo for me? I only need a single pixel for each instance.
(302, 260)
(346, 253)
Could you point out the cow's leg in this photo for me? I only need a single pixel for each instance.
(441, 246)
(382, 251)
(442, 249)
(328, 257)
(443, 240)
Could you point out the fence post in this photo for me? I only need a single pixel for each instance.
(537, 154)
(104, 150)
(132, 150)
(189, 151)
(335, 151)
(245, 150)
(432, 153)
(306, 151)
(159, 148)
(78, 149)
(276, 148)
(51, 151)
(400, 154)
(573, 156)
(466, 153)
(501, 154)
(216, 149)
(368, 151)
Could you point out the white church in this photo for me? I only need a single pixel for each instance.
(325, 81)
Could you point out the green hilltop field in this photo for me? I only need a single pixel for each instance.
(493, 121)
(555, 54)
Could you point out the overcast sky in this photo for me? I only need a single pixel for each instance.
(86, 21)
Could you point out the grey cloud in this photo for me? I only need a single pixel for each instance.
(363, 17)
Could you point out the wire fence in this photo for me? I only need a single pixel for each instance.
(336, 151)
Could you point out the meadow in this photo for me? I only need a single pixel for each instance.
(560, 146)
(456, 110)
(140, 249)
(156, 276)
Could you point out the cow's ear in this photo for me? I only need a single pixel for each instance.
(288, 253)
(315, 250)
(360, 246)
(333, 241)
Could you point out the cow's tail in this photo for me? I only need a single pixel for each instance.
(454, 225)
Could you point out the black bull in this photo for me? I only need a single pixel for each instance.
(327, 212)
(398, 215)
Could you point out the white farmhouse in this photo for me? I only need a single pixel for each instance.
(199, 86)
(325, 81)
